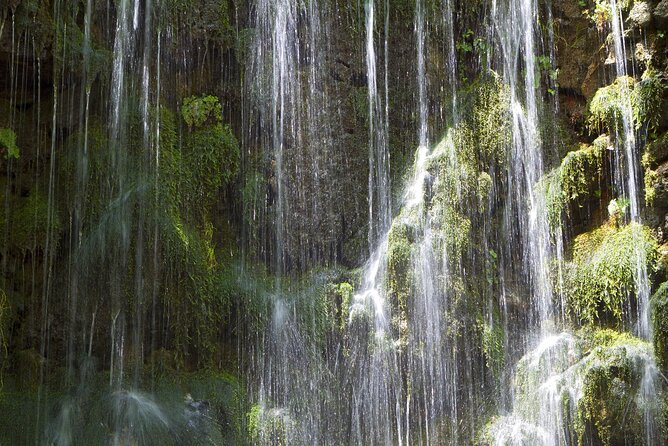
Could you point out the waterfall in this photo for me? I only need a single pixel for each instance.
(627, 177)
(310, 222)
(628, 164)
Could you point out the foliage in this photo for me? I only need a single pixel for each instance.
(493, 337)
(199, 19)
(579, 169)
(576, 177)
(549, 187)
(659, 312)
(487, 116)
(340, 295)
(8, 141)
(399, 265)
(611, 381)
(269, 426)
(601, 278)
(209, 158)
(647, 99)
(655, 153)
(30, 223)
(610, 104)
(197, 111)
(640, 102)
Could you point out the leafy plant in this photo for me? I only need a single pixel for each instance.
(8, 141)
(199, 110)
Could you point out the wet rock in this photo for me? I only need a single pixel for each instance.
(579, 53)
(658, 217)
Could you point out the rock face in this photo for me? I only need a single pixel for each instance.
(580, 60)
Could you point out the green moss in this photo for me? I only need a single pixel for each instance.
(609, 104)
(208, 160)
(595, 377)
(211, 160)
(601, 277)
(489, 120)
(269, 426)
(578, 176)
(208, 20)
(643, 100)
(198, 294)
(340, 296)
(453, 232)
(199, 110)
(608, 409)
(399, 265)
(493, 337)
(656, 152)
(659, 312)
(30, 223)
(549, 187)
(8, 143)
(580, 170)
(647, 100)
(591, 338)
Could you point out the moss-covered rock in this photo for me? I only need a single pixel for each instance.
(609, 408)
(601, 278)
(31, 224)
(584, 388)
(269, 426)
(576, 178)
(610, 104)
(659, 311)
(655, 154)
(628, 99)
(400, 265)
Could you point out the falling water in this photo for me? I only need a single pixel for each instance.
(451, 330)
(628, 173)
(421, 77)
(628, 169)
(379, 157)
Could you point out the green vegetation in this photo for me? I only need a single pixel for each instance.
(29, 223)
(269, 426)
(578, 176)
(197, 111)
(647, 100)
(610, 104)
(8, 143)
(580, 170)
(642, 101)
(659, 312)
(601, 277)
(611, 379)
(400, 265)
(208, 20)
(493, 337)
(656, 152)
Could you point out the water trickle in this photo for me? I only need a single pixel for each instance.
(379, 157)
